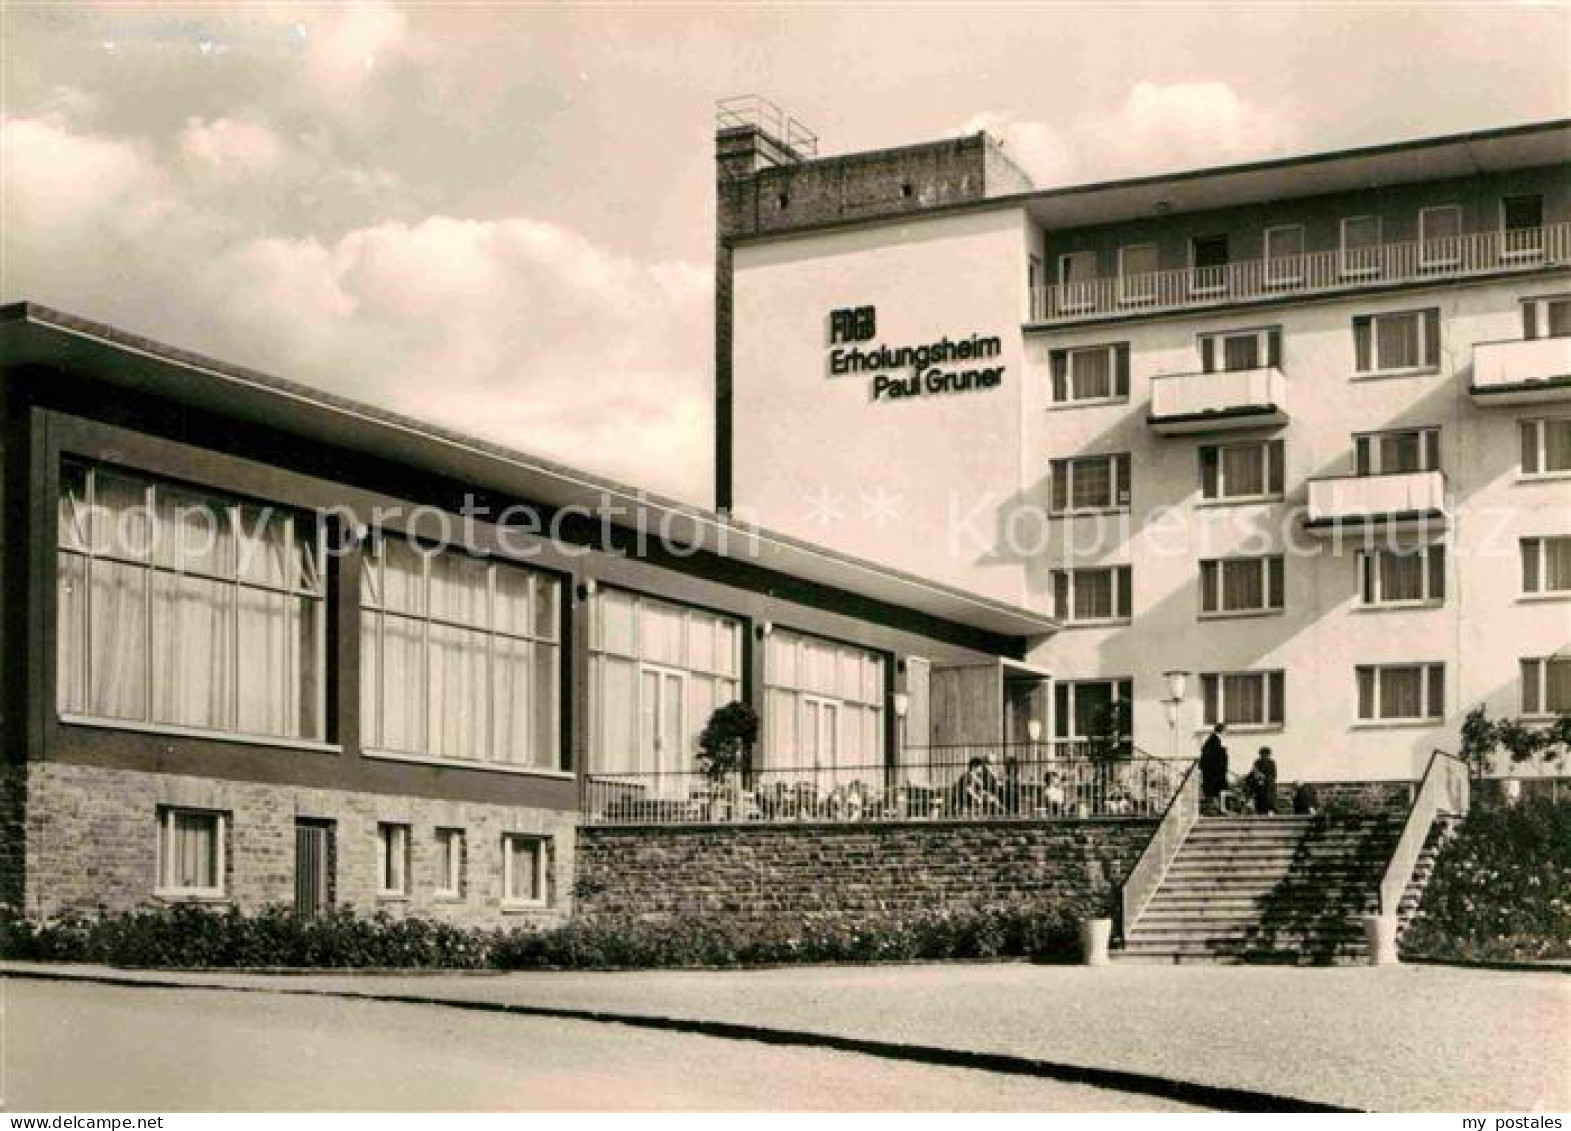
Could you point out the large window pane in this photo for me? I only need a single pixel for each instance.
(118, 644)
(1243, 470)
(458, 662)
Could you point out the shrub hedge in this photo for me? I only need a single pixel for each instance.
(1501, 888)
(193, 936)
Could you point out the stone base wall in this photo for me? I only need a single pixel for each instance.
(870, 872)
(91, 844)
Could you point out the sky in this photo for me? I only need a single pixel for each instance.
(499, 217)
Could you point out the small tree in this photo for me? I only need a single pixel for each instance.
(1112, 727)
(726, 743)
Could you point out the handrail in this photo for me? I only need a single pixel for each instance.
(1141, 883)
(1445, 788)
(1333, 270)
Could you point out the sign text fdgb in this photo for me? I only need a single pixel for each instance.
(909, 371)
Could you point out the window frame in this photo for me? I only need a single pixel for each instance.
(1268, 346)
(1273, 580)
(1196, 285)
(1532, 251)
(163, 888)
(1537, 708)
(1119, 366)
(1120, 481)
(1126, 295)
(235, 584)
(452, 845)
(1367, 450)
(1426, 364)
(1084, 296)
(1370, 578)
(1455, 256)
(1536, 316)
(1539, 544)
(1426, 669)
(1267, 446)
(393, 843)
(1539, 425)
(542, 852)
(1272, 279)
(1121, 592)
(1123, 691)
(1345, 268)
(1273, 696)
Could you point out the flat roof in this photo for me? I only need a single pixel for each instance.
(1525, 146)
(31, 334)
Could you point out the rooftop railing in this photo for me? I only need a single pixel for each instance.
(754, 110)
(1027, 782)
(1267, 280)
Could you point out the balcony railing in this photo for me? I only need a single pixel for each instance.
(1238, 398)
(1513, 372)
(1267, 280)
(1361, 499)
(1029, 782)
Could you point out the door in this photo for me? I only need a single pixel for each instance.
(1209, 257)
(820, 737)
(663, 729)
(313, 866)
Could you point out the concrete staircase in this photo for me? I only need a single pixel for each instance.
(1269, 889)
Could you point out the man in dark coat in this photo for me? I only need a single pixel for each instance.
(1265, 782)
(1213, 766)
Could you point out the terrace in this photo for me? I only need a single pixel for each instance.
(1022, 782)
(1500, 252)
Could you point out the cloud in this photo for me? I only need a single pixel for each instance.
(1157, 128)
(230, 150)
(511, 328)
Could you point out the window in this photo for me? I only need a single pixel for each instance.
(1208, 264)
(1094, 374)
(1440, 236)
(1240, 349)
(1522, 226)
(315, 865)
(1285, 255)
(1402, 577)
(1235, 586)
(1090, 483)
(186, 610)
(1401, 692)
(1397, 451)
(191, 853)
(1546, 686)
(1137, 273)
(524, 870)
(1546, 317)
(460, 657)
(392, 860)
(1081, 708)
(1546, 565)
(657, 671)
(1099, 595)
(1360, 246)
(450, 853)
(1077, 278)
(825, 706)
(1242, 472)
(1397, 343)
(1546, 446)
(1244, 699)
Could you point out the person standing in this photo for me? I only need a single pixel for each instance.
(1265, 782)
(1213, 768)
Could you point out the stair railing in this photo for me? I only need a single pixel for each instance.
(1445, 788)
(1180, 816)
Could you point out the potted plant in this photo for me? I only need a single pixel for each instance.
(725, 750)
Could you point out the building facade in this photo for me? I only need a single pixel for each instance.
(1299, 429)
(266, 646)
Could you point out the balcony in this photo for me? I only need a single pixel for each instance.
(1521, 372)
(1406, 499)
(1217, 402)
(1316, 273)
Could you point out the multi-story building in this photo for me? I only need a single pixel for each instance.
(1300, 428)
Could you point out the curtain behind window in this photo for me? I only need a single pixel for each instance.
(1401, 693)
(1243, 585)
(1093, 594)
(1092, 373)
(1093, 483)
(1402, 576)
(1243, 470)
(1243, 698)
(1398, 341)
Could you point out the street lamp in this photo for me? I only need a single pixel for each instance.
(1177, 683)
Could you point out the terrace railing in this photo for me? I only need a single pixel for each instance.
(1478, 253)
(1029, 782)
